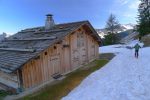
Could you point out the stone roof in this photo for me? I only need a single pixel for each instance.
(18, 49)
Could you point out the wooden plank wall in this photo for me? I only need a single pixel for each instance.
(82, 48)
(66, 55)
(40, 69)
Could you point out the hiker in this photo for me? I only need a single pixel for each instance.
(137, 47)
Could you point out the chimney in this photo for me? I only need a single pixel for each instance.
(49, 22)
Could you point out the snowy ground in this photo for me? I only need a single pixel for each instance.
(123, 78)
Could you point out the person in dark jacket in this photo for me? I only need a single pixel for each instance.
(137, 47)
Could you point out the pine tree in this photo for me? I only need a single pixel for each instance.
(111, 26)
(144, 19)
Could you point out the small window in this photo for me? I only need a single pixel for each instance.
(78, 39)
(82, 39)
(45, 53)
(55, 47)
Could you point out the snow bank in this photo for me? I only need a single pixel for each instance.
(112, 49)
(132, 43)
(119, 48)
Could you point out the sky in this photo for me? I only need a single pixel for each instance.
(16, 15)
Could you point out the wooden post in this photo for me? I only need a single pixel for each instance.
(20, 79)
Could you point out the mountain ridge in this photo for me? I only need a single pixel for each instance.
(123, 27)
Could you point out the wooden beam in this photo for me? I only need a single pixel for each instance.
(33, 39)
(16, 49)
(51, 31)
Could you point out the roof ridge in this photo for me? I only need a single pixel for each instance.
(75, 22)
(38, 27)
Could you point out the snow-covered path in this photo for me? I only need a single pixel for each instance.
(123, 78)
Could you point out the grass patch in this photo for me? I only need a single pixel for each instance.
(107, 56)
(3, 94)
(63, 87)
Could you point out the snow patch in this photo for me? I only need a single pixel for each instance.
(123, 78)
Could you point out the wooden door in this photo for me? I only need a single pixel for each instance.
(55, 64)
(82, 48)
(74, 51)
(66, 59)
(92, 49)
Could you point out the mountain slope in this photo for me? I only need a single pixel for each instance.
(123, 28)
(129, 38)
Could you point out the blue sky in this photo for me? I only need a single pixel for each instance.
(20, 14)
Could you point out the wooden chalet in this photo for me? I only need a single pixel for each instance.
(35, 55)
